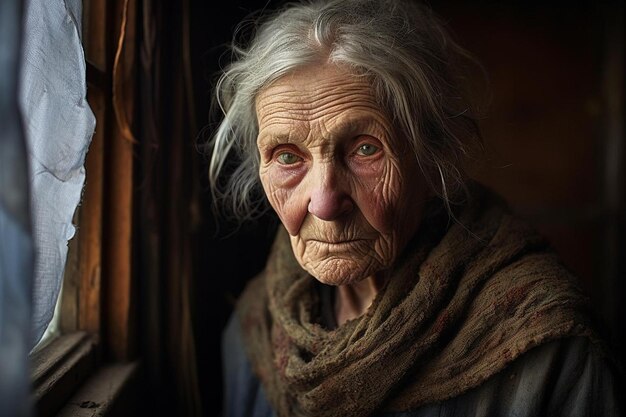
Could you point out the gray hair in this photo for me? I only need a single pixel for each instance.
(415, 67)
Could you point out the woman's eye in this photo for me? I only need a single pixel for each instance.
(367, 150)
(287, 158)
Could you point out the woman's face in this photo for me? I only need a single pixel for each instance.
(346, 188)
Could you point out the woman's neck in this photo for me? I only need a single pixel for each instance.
(353, 300)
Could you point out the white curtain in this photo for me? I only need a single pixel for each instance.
(45, 130)
(58, 127)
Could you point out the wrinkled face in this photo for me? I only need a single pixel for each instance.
(346, 188)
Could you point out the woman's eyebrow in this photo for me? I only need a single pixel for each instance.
(273, 138)
(355, 125)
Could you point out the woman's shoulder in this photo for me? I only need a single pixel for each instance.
(566, 377)
(572, 376)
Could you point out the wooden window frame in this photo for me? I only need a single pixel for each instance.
(93, 364)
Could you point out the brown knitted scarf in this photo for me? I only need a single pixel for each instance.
(464, 301)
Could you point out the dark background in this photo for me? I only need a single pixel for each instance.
(554, 148)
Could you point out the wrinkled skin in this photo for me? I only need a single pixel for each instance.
(345, 186)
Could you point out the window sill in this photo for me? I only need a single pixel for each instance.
(59, 368)
(69, 381)
(109, 392)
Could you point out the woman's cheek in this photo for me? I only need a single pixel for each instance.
(285, 176)
(378, 195)
(367, 169)
(281, 188)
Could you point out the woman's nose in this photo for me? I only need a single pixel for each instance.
(329, 199)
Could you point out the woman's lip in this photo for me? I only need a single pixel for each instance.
(335, 242)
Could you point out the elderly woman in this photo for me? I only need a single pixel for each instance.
(394, 287)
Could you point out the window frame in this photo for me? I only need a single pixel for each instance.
(92, 363)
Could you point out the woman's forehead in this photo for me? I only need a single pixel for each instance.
(322, 94)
